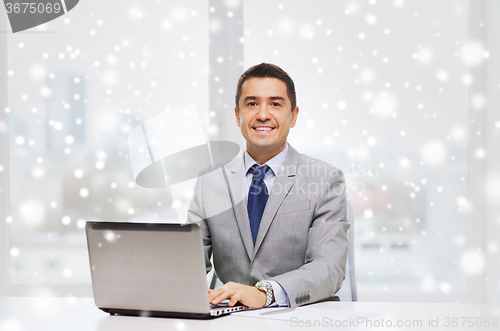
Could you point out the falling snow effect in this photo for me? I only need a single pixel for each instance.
(433, 153)
(400, 110)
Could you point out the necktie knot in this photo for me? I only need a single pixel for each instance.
(258, 171)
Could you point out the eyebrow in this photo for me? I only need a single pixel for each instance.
(251, 97)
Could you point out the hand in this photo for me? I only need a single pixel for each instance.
(249, 296)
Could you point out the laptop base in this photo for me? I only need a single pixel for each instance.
(149, 313)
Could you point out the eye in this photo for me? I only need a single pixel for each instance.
(276, 104)
(251, 104)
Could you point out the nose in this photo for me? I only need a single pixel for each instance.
(263, 114)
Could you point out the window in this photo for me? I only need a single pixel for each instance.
(383, 88)
(76, 87)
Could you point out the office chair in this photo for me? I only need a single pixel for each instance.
(214, 280)
(349, 288)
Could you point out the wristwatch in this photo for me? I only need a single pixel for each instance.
(267, 288)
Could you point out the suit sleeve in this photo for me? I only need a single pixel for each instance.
(324, 267)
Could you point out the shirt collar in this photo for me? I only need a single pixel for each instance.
(274, 163)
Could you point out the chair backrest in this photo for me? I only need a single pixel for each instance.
(349, 292)
(212, 277)
(351, 270)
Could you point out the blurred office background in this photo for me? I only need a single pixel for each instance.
(396, 93)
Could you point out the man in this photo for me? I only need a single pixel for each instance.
(274, 219)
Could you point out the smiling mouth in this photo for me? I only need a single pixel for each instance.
(263, 128)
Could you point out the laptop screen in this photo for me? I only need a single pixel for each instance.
(148, 266)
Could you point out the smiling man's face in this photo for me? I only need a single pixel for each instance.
(265, 117)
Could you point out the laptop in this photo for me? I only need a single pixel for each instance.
(150, 269)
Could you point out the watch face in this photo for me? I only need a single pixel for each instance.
(264, 287)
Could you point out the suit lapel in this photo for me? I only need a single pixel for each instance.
(285, 179)
(237, 183)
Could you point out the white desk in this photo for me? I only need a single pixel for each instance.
(55, 314)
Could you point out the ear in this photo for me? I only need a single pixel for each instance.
(237, 114)
(295, 113)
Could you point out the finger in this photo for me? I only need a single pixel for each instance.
(221, 297)
(234, 299)
(212, 294)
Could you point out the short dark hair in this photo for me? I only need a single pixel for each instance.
(264, 70)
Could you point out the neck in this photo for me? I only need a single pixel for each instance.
(263, 155)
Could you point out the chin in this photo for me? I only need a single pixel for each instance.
(265, 146)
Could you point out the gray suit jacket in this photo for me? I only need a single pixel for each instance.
(302, 239)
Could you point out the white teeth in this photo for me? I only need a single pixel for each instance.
(262, 128)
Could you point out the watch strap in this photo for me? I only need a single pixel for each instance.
(267, 288)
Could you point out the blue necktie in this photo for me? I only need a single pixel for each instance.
(257, 198)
